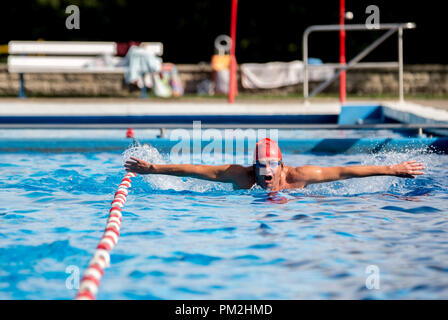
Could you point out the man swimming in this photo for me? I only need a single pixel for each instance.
(269, 172)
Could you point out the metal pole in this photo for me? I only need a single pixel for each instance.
(22, 86)
(361, 55)
(305, 65)
(392, 27)
(143, 92)
(359, 27)
(342, 76)
(400, 65)
(232, 75)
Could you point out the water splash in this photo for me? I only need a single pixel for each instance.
(380, 184)
(349, 187)
(164, 182)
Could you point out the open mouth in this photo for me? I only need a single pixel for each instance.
(267, 178)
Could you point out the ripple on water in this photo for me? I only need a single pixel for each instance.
(416, 210)
(211, 230)
(196, 258)
(264, 226)
(439, 268)
(191, 291)
(28, 255)
(134, 295)
(148, 233)
(9, 165)
(137, 274)
(344, 234)
(300, 217)
(17, 217)
(247, 257)
(261, 246)
(220, 234)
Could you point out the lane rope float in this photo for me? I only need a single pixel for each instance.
(90, 281)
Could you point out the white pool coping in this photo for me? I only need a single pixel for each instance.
(414, 113)
(24, 108)
(404, 112)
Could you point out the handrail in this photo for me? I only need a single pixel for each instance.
(392, 27)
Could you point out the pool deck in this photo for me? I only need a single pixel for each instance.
(155, 113)
(323, 110)
(110, 107)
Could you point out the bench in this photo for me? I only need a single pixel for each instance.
(67, 57)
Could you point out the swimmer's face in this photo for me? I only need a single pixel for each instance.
(268, 172)
(268, 164)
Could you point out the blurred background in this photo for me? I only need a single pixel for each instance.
(266, 31)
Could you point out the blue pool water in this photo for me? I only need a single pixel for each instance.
(192, 239)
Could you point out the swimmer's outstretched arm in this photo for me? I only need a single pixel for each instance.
(222, 173)
(313, 174)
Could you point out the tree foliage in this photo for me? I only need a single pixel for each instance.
(266, 30)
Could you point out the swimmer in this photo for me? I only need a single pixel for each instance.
(269, 172)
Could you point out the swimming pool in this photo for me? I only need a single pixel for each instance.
(192, 239)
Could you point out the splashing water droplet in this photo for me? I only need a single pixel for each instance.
(164, 182)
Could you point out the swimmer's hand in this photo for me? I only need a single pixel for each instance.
(407, 169)
(138, 166)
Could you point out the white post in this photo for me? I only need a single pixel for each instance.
(400, 64)
(305, 66)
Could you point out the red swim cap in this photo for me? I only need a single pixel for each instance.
(267, 149)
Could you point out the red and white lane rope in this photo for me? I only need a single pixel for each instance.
(88, 287)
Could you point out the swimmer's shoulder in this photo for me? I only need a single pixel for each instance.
(244, 177)
(301, 172)
(296, 177)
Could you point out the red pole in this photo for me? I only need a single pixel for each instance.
(232, 76)
(342, 77)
